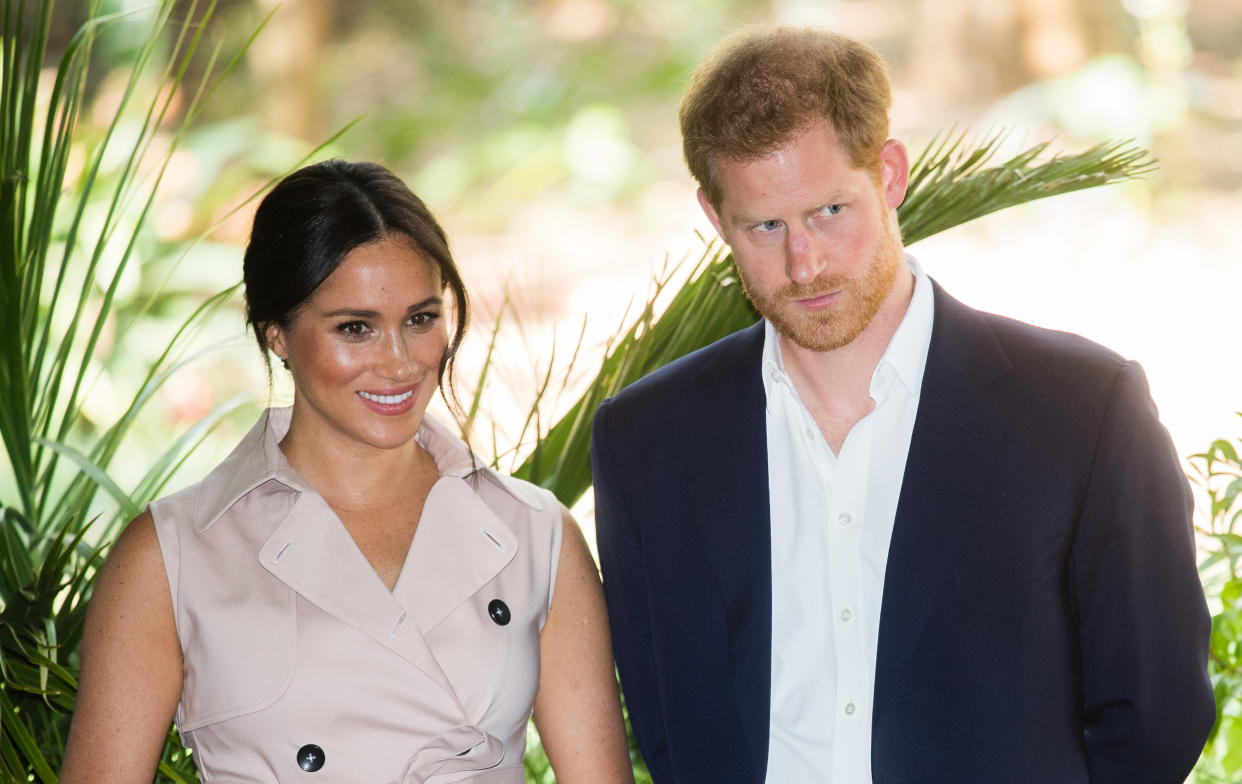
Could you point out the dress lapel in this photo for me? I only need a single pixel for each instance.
(957, 430)
(460, 546)
(313, 554)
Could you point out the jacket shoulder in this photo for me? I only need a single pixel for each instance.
(963, 335)
(727, 357)
(1027, 341)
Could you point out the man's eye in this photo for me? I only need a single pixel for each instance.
(831, 209)
(768, 225)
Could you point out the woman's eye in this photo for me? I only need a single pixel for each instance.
(352, 329)
(424, 320)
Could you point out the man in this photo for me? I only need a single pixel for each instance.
(881, 536)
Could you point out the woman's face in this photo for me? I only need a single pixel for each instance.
(364, 350)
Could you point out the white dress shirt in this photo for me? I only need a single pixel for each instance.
(832, 519)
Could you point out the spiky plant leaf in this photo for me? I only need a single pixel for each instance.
(59, 281)
(951, 183)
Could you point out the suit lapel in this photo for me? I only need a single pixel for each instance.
(728, 480)
(957, 430)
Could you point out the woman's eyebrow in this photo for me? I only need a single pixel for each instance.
(362, 313)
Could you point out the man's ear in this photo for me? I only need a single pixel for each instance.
(711, 213)
(894, 172)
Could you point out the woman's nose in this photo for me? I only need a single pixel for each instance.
(394, 357)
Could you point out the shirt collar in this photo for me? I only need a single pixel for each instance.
(906, 355)
(903, 360)
(258, 459)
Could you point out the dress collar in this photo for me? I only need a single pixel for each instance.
(258, 459)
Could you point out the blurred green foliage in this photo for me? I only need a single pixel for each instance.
(94, 334)
(483, 104)
(1218, 471)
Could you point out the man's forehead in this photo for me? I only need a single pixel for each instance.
(746, 192)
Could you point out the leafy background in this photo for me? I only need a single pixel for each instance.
(543, 133)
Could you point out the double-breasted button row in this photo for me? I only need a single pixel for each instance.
(311, 757)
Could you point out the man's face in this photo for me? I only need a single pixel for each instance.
(813, 237)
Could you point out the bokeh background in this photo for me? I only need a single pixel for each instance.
(543, 133)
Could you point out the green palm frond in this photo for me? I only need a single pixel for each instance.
(59, 293)
(40, 631)
(59, 280)
(60, 275)
(951, 182)
(708, 306)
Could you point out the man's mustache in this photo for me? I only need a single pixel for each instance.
(824, 284)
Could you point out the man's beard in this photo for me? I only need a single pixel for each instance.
(843, 321)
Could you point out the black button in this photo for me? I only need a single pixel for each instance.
(499, 612)
(310, 758)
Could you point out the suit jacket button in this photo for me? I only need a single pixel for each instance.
(310, 758)
(499, 612)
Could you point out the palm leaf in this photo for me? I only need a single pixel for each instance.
(40, 626)
(951, 183)
(95, 475)
(57, 296)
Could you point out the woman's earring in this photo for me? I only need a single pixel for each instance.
(284, 362)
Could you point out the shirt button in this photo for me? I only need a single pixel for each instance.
(844, 518)
(846, 614)
(310, 758)
(810, 433)
(849, 709)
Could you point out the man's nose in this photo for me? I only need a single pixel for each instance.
(805, 259)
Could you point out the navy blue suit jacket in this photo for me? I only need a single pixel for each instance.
(1042, 618)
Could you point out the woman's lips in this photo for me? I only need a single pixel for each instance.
(389, 402)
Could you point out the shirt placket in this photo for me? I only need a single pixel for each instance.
(809, 449)
(844, 528)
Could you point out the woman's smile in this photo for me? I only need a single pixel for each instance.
(390, 403)
(371, 334)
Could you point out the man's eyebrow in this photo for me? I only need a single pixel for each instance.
(745, 217)
(833, 197)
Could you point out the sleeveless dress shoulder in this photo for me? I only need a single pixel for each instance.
(300, 665)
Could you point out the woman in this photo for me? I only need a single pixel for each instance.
(350, 596)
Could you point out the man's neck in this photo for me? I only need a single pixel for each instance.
(835, 385)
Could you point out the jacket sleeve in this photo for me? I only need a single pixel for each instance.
(1143, 624)
(623, 565)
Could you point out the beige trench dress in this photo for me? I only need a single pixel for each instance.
(301, 666)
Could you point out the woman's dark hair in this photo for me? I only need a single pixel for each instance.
(313, 219)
